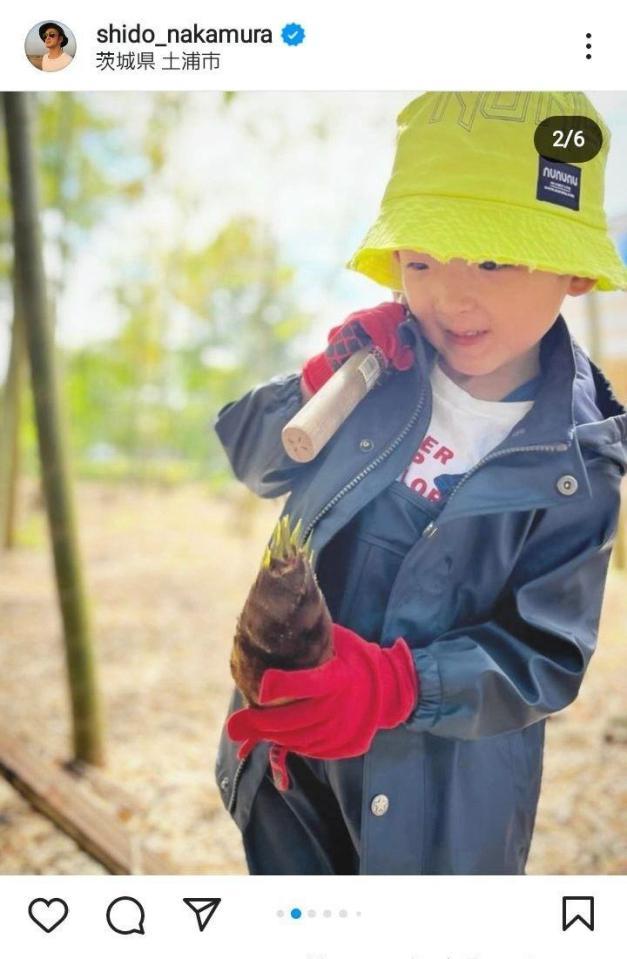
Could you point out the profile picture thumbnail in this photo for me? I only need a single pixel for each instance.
(50, 46)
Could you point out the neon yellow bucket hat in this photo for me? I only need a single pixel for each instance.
(468, 183)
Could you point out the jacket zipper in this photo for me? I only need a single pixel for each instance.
(371, 466)
(236, 778)
(553, 448)
(325, 509)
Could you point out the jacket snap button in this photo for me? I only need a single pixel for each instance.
(365, 445)
(380, 805)
(567, 485)
(224, 784)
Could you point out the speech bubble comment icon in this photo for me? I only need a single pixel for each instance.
(126, 915)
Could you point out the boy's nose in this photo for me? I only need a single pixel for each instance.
(454, 294)
(455, 300)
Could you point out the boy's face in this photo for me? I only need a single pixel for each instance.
(511, 307)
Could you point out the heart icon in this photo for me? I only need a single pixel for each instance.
(48, 913)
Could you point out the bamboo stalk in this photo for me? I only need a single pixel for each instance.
(30, 279)
(10, 432)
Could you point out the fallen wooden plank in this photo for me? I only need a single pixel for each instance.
(57, 794)
(124, 806)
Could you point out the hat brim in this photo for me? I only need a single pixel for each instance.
(449, 227)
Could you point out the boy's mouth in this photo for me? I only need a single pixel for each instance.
(467, 338)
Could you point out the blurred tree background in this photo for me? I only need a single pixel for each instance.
(140, 401)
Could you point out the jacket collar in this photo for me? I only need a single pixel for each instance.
(573, 393)
(574, 408)
(600, 419)
(550, 420)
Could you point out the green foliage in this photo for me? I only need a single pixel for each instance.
(138, 403)
(197, 326)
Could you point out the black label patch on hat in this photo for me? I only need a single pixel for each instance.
(558, 183)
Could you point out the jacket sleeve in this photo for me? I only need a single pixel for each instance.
(250, 432)
(529, 659)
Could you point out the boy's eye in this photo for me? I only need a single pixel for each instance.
(486, 265)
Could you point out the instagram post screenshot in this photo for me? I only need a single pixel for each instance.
(313, 442)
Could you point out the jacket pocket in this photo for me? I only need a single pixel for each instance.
(238, 779)
(367, 589)
(527, 747)
(473, 811)
(526, 751)
(226, 766)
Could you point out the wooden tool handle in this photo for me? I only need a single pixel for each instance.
(316, 422)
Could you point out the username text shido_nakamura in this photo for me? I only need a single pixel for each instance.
(193, 34)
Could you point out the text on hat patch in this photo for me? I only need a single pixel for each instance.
(558, 183)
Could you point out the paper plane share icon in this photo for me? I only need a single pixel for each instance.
(203, 909)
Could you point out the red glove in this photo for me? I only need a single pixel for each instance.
(343, 703)
(377, 326)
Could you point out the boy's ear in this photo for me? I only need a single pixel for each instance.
(580, 285)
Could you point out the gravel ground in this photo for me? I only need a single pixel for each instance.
(167, 572)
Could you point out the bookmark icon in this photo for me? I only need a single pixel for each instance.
(577, 909)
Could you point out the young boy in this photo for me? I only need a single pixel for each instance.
(462, 517)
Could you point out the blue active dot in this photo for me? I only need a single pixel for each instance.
(293, 34)
(295, 913)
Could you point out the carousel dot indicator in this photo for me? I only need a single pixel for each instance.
(295, 913)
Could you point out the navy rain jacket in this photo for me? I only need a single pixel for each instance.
(499, 599)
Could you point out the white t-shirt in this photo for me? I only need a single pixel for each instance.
(58, 63)
(463, 429)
